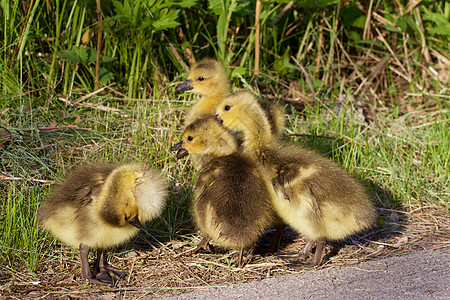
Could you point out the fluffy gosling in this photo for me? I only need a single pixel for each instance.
(208, 79)
(314, 196)
(231, 201)
(102, 206)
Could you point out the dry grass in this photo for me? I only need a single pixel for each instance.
(173, 268)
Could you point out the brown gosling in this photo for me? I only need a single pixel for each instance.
(314, 196)
(208, 79)
(231, 201)
(102, 206)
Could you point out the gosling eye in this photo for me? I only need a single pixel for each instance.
(227, 107)
(190, 138)
(201, 78)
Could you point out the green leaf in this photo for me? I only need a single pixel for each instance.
(283, 66)
(352, 16)
(392, 28)
(107, 59)
(92, 53)
(167, 20)
(216, 6)
(77, 54)
(443, 30)
(185, 3)
(105, 76)
(238, 71)
(122, 10)
(402, 24)
(438, 19)
(354, 36)
(316, 4)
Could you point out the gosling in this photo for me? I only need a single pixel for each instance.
(208, 79)
(314, 196)
(102, 206)
(231, 201)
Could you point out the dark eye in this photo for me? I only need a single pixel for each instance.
(227, 107)
(201, 78)
(190, 138)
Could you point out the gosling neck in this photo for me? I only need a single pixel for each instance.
(214, 99)
(256, 134)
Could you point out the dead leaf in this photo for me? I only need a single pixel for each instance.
(87, 35)
(401, 241)
(394, 217)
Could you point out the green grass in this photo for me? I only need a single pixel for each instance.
(404, 160)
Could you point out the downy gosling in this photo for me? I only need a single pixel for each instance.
(101, 206)
(208, 79)
(231, 201)
(314, 196)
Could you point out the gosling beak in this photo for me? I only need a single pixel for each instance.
(216, 117)
(136, 223)
(181, 151)
(185, 86)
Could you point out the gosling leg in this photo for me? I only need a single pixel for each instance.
(247, 258)
(239, 260)
(205, 245)
(318, 254)
(307, 250)
(85, 271)
(279, 230)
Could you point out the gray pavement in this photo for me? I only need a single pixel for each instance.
(421, 275)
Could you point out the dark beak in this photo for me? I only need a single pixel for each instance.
(136, 223)
(181, 151)
(216, 117)
(185, 86)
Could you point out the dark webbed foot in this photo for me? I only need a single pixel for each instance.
(101, 278)
(115, 272)
(108, 275)
(104, 272)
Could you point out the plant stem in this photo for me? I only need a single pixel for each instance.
(257, 31)
(99, 44)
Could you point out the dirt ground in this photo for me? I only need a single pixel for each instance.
(174, 269)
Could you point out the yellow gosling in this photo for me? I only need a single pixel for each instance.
(208, 79)
(231, 202)
(314, 196)
(102, 206)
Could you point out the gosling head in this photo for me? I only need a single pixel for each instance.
(206, 78)
(118, 200)
(205, 136)
(242, 112)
